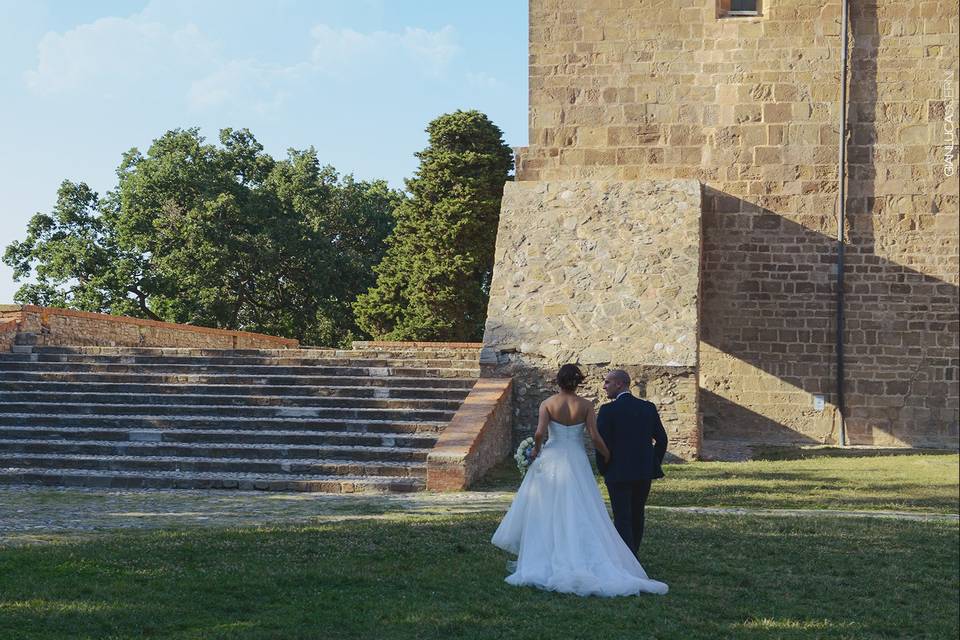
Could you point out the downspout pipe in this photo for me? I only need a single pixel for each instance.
(841, 222)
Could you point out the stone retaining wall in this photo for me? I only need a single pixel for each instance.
(606, 275)
(49, 326)
(478, 437)
(382, 344)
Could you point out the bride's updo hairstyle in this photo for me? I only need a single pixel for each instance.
(569, 377)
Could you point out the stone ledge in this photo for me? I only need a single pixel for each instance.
(478, 436)
(378, 344)
(41, 316)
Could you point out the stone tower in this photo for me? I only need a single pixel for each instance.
(676, 214)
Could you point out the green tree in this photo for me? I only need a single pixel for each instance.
(434, 281)
(222, 236)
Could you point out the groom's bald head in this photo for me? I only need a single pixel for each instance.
(616, 382)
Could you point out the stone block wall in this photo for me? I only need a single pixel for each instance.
(51, 327)
(658, 90)
(604, 274)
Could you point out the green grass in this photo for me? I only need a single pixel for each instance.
(438, 577)
(918, 483)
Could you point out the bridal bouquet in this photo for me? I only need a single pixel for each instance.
(524, 455)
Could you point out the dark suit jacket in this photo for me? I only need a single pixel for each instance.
(630, 426)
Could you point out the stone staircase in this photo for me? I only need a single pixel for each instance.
(282, 420)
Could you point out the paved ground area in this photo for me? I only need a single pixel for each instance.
(37, 514)
(30, 513)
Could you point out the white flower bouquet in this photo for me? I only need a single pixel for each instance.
(524, 455)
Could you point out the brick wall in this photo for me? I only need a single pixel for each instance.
(477, 438)
(50, 326)
(749, 106)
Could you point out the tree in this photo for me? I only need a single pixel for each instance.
(434, 281)
(222, 236)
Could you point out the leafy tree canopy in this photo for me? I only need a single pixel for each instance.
(214, 235)
(434, 281)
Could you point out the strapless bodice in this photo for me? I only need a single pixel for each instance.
(566, 433)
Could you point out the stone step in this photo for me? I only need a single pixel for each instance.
(141, 422)
(187, 400)
(210, 450)
(211, 436)
(221, 480)
(273, 361)
(306, 419)
(224, 411)
(399, 353)
(196, 464)
(343, 392)
(215, 379)
(248, 370)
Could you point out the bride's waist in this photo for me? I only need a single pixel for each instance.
(556, 443)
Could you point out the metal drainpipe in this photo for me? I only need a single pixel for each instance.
(841, 216)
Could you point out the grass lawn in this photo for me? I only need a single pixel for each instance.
(438, 577)
(925, 483)
(399, 574)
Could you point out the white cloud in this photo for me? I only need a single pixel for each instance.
(483, 80)
(143, 56)
(340, 53)
(116, 50)
(256, 85)
(340, 50)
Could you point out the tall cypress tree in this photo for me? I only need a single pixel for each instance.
(434, 281)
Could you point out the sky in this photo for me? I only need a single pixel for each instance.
(83, 81)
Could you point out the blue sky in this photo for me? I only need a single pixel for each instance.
(84, 80)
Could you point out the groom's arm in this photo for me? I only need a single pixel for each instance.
(659, 435)
(604, 429)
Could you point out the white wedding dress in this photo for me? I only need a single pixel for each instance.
(559, 528)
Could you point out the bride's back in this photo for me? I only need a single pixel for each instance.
(567, 408)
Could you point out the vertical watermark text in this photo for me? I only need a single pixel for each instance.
(949, 125)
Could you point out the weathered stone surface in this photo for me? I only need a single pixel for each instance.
(598, 273)
(605, 274)
(672, 389)
(8, 334)
(267, 419)
(750, 108)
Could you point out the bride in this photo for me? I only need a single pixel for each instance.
(558, 524)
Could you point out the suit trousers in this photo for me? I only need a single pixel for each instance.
(629, 500)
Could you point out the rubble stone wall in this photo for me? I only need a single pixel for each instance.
(604, 274)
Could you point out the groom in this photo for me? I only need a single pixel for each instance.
(630, 427)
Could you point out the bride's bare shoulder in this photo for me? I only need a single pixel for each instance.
(550, 401)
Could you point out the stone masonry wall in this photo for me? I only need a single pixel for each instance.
(8, 334)
(51, 327)
(750, 107)
(604, 274)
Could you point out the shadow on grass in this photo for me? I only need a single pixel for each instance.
(440, 578)
(761, 453)
(926, 483)
(503, 476)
